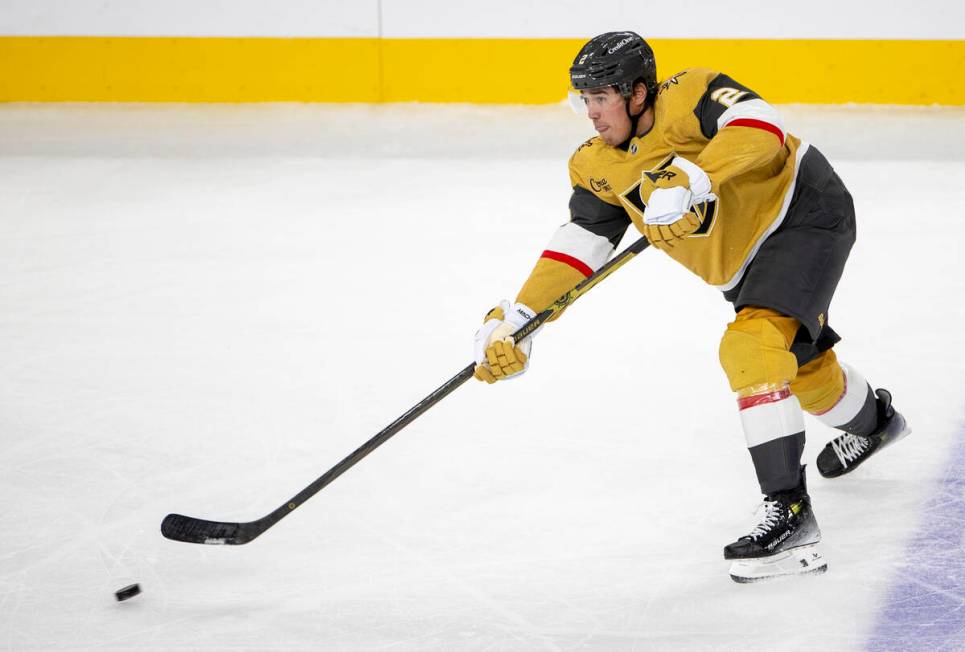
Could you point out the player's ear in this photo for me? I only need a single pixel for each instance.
(638, 99)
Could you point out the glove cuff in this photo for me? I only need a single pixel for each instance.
(518, 314)
(514, 316)
(699, 181)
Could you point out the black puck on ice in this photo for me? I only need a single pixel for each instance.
(127, 592)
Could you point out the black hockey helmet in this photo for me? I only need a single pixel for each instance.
(615, 59)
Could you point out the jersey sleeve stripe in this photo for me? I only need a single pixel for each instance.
(598, 217)
(754, 113)
(758, 124)
(583, 250)
(575, 263)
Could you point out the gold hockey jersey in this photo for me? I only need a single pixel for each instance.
(711, 120)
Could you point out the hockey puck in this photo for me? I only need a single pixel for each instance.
(127, 592)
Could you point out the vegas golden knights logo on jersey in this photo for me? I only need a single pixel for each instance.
(632, 200)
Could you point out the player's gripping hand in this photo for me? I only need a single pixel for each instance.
(669, 195)
(497, 357)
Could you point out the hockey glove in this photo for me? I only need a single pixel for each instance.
(497, 357)
(669, 195)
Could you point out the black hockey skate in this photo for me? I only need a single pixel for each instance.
(783, 543)
(843, 454)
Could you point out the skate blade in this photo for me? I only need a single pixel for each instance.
(802, 560)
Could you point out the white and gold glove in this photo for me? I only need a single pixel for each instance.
(497, 356)
(669, 194)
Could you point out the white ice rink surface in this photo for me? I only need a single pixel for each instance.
(204, 308)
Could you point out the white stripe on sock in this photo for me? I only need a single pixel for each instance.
(850, 403)
(770, 421)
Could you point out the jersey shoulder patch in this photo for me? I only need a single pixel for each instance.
(686, 81)
(678, 94)
(582, 152)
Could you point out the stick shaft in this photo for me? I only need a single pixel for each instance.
(192, 530)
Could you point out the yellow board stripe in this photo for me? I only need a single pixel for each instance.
(156, 69)
(515, 71)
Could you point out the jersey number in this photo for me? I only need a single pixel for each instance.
(727, 96)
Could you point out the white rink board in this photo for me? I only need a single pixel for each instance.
(295, 18)
(846, 19)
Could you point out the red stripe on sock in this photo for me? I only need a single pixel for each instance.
(745, 402)
(566, 259)
(757, 124)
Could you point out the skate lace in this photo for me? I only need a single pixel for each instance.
(772, 515)
(849, 447)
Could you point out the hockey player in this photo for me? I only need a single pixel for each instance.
(704, 168)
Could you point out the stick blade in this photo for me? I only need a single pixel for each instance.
(188, 529)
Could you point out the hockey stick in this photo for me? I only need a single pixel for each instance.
(196, 530)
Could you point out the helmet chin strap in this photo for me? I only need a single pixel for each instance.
(634, 121)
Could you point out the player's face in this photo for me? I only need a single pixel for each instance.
(608, 111)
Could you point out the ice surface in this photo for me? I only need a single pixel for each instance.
(204, 308)
(924, 607)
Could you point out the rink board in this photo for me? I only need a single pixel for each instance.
(475, 70)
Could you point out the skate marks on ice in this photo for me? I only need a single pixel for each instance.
(925, 609)
(189, 286)
(514, 623)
